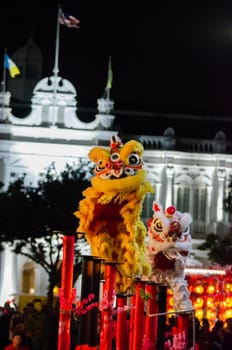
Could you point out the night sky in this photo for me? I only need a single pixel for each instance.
(167, 56)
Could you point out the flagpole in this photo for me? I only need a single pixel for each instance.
(3, 88)
(56, 65)
(4, 75)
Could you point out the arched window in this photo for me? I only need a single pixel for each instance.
(45, 113)
(199, 203)
(183, 198)
(28, 278)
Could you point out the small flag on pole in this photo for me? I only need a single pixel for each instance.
(110, 76)
(68, 20)
(11, 66)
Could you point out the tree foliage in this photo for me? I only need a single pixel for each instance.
(227, 202)
(219, 248)
(47, 252)
(34, 218)
(27, 211)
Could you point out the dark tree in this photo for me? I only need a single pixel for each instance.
(47, 252)
(220, 248)
(27, 211)
(33, 218)
(227, 202)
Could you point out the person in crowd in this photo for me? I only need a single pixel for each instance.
(204, 337)
(53, 329)
(74, 326)
(216, 334)
(214, 346)
(36, 327)
(16, 324)
(4, 327)
(227, 335)
(17, 343)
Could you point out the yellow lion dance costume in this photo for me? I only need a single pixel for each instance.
(110, 212)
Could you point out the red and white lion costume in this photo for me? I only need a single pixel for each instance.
(169, 243)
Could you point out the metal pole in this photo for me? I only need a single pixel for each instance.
(3, 89)
(56, 66)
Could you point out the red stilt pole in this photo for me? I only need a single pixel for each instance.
(183, 329)
(161, 321)
(150, 335)
(121, 325)
(180, 332)
(66, 293)
(88, 322)
(108, 293)
(132, 320)
(139, 316)
(175, 338)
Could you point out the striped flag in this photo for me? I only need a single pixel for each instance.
(11, 66)
(68, 20)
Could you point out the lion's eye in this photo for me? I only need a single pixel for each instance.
(134, 159)
(115, 157)
(157, 225)
(100, 165)
(129, 171)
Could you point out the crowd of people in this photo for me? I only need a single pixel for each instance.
(218, 338)
(31, 329)
(200, 336)
(34, 329)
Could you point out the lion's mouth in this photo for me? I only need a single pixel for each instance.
(112, 177)
(112, 174)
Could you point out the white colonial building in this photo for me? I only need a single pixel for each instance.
(192, 174)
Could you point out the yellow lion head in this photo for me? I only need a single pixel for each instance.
(118, 168)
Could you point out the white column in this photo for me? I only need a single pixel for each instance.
(208, 204)
(220, 193)
(53, 115)
(157, 194)
(175, 190)
(4, 173)
(169, 185)
(8, 275)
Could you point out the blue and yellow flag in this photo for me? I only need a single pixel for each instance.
(110, 76)
(11, 66)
